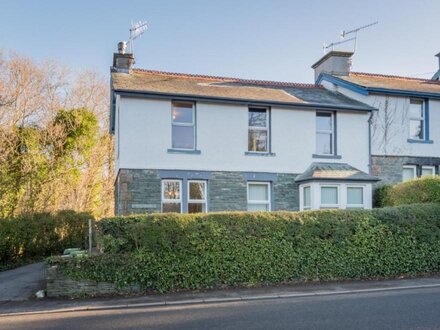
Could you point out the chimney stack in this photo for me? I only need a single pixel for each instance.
(122, 62)
(334, 63)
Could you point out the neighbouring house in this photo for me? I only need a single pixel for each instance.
(194, 143)
(405, 131)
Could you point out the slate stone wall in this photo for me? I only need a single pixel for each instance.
(139, 191)
(58, 285)
(389, 168)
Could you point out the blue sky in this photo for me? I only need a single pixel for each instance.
(273, 39)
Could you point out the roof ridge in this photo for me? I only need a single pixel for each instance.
(391, 76)
(248, 81)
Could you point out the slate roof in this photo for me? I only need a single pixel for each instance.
(371, 80)
(334, 171)
(271, 92)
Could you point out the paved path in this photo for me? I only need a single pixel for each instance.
(396, 309)
(22, 283)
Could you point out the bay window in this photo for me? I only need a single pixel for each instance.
(355, 197)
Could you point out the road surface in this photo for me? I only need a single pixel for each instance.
(401, 309)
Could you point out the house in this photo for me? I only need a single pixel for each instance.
(194, 143)
(405, 131)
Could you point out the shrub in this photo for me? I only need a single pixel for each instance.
(35, 236)
(168, 252)
(422, 190)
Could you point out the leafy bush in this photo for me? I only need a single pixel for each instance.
(35, 236)
(168, 252)
(422, 190)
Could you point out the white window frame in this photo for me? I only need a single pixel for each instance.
(198, 201)
(414, 167)
(330, 206)
(306, 207)
(355, 206)
(178, 124)
(170, 201)
(259, 128)
(268, 202)
(426, 167)
(418, 118)
(331, 132)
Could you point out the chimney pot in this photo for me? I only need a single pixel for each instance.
(122, 61)
(122, 46)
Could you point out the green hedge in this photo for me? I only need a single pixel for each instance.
(422, 190)
(168, 252)
(35, 236)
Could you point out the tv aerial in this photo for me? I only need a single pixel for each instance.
(347, 33)
(136, 31)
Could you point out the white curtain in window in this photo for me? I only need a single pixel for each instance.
(329, 195)
(258, 192)
(306, 197)
(355, 196)
(408, 174)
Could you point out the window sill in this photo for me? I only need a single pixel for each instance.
(264, 154)
(183, 151)
(420, 141)
(327, 156)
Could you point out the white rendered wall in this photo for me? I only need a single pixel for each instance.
(144, 127)
(390, 125)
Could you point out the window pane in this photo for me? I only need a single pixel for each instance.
(171, 207)
(355, 195)
(182, 113)
(306, 197)
(196, 207)
(258, 207)
(257, 140)
(416, 109)
(329, 195)
(408, 174)
(427, 171)
(324, 121)
(171, 190)
(257, 118)
(197, 190)
(183, 137)
(416, 129)
(258, 192)
(324, 144)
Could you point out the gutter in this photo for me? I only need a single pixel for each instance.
(370, 158)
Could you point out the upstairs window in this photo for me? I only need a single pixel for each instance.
(409, 172)
(416, 120)
(183, 126)
(325, 135)
(172, 196)
(258, 131)
(258, 196)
